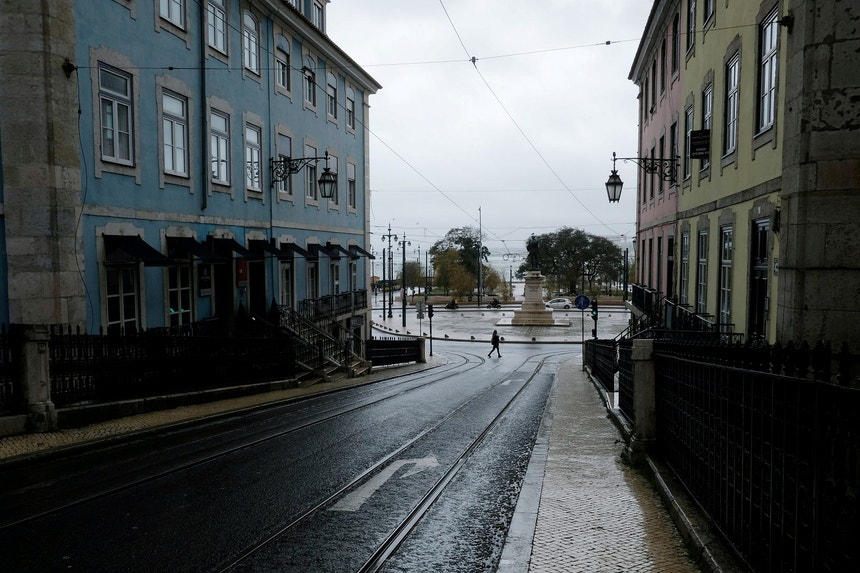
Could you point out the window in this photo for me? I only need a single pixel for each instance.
(282, 69)
(676, 43)
(311, 175)
(174, 124)
(333, 164)
(250, 43)
(768, 71)
(653, 84)
(688, 134)
(173, 11)
(219, 144)
(730, 139)
(652, 177)
(334, 277)
(707, 115)
(673, 150)
(116, 115)
(353, 276)
(691, 24)
(331, 95)
(287, 284)
(725, 278)
(709, 9)
(285, 151)
(216, 25)
(661, 157)
(313, 280)
(685, 268)
(310, 81)
(663, 66)
(702, 274)
(122, 298)
(318, 16)
(350, 108)
(253, 148)
(179, 295)
(351, 195)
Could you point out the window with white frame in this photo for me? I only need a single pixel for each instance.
(309, 76)
(707, 116)
(350, 108)
(333, 163)
(311, 175)
(676, 43)
(313, 280)
(282, 68)
(685, 268)
(122, 290)
(173, 11)
(253, 155)
(174, 127)
(331, 95)
(709, 9)
(115, 97)
(691, 24)
(334, 277)
(726, 256)
(250, 42)
(702, 274)
(179, 296)
(688, 135)
(353, 275)
(219, 147)
(216, 24)
(351, 191)
(318, 16)
(660, 182)
(730, 138)
(287, 290)
(285, 151)
(769, 32)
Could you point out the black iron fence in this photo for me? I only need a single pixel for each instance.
(388, 351)
(603, 359)
(118, 366)
(8, 397)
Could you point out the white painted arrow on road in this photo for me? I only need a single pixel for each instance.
(356, 499)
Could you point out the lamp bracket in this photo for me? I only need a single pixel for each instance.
(665, 169)
(283, 168)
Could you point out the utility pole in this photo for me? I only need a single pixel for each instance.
(389, 261)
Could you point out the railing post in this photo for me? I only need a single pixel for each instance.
(33, 358)
(644, 400)
(422, 358)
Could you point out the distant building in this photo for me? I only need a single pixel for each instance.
(141, 184)
(757, 235)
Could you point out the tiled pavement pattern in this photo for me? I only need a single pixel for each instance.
(595, 512)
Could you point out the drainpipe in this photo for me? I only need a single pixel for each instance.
(204, 115)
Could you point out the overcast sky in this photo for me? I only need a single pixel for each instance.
(525, 133)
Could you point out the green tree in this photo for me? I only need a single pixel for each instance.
(456, 260)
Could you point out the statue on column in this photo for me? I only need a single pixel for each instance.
(532, 246)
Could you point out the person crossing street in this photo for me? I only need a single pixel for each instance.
(495, 342)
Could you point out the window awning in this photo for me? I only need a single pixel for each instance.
(124, 249)
(314, 250)
(288, 250)
(187, 247)
(334, 248)
(360, 251)
(263, 246)
(232, 245)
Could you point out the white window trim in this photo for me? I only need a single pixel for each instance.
(216, 137)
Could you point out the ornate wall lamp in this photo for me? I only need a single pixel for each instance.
(665, 169)
(283, 168)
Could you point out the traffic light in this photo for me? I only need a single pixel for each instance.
(594, 311)
(429, 311)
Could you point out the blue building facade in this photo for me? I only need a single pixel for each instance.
(172, 198)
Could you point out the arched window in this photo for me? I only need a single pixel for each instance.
(251, 42)
(331, 95)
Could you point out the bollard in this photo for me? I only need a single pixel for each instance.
(33, 358)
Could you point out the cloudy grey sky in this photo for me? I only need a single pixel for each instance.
(525, 133)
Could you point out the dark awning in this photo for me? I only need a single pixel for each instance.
(232, 245)
(188, 247)
(334, 248)
(290, 249)
(263, 246)
(124, 249)
(361, 251)
(314, 250)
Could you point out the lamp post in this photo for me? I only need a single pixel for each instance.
(665, 169)
(385, 261)
(403, 245)
(283, 168)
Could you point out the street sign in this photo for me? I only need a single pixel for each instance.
(581, 302)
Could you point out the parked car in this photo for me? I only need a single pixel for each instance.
(559, 303)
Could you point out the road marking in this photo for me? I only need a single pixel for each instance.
(356, 499)
(506, 382)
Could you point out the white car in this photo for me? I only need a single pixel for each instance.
(559, 303)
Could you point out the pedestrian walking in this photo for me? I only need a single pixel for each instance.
(495, 342)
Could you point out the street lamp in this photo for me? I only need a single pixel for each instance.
(389, 236)
(283, 168)
(665, 169)
(403, 244)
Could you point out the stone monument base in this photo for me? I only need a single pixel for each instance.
(533, 311)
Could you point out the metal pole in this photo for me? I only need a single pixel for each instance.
(403, 292)
(625, 275)
(383, 283)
